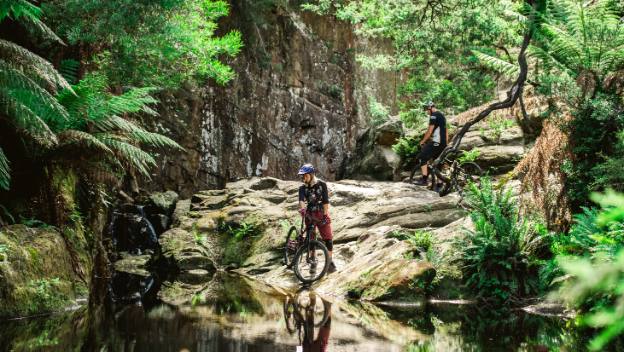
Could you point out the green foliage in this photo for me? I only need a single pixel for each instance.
(82, 124)
(238, 239)
(432, 45)
(407, 147)
(5, 170)
(595, 135)
(149, 43)
(47, 296)
(199, 238)
(497, 125)
(594, 257)
(379, 113)
(421, 240)
(501, 256)
(469, 156)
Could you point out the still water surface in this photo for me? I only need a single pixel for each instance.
(229, 315)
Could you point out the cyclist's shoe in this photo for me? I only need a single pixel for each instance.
(312, 262)
(332, 267)
(421, 182)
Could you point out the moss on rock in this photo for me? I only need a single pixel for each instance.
(401, 279)
(37, 274)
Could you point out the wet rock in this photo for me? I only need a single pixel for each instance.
(181, 211)
(185, 250)
(164, 202)
(132, 288)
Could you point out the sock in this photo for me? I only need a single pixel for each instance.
(425, 177)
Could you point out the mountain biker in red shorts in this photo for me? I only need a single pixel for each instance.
(314, 193)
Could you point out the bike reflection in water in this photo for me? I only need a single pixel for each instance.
(305, 314)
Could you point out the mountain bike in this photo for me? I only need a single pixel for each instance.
(308, 257)
(456, 177)
(454, 174)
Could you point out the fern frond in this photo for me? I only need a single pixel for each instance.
(5, 171)
(99, 171)
(155, 140)
(133, 101)
(116, 123)
(613, 59)
(565, 47)
(41, 29)
(23, 117)
(134, 156)
(508, 69)
(69, 70)
(30, 62)
(83, 140)
(547, 60)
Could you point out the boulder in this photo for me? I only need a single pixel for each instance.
(164, 202)
(186, 250)
(37, 273)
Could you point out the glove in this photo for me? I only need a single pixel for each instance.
(302, 211)
(326, 220)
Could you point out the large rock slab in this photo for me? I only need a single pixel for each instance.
(372, 265)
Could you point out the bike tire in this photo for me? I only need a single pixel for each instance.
(303, 270)
(290, 246)
(416, 168)
(469, 173)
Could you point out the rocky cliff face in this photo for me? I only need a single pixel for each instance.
(299, 96)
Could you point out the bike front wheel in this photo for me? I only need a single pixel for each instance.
(311, 262)
(290, 246)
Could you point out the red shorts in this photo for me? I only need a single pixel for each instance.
(325, 230)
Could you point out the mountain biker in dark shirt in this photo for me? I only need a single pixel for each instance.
(433, 142)
(314, 193)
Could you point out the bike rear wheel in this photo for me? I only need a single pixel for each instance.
(468, 173)
(290, 246)
(311, 262)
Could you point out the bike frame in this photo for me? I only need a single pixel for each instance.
(309, 230)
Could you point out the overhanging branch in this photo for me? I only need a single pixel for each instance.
(512, 96)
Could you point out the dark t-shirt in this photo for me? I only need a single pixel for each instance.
(439, 132)
(315, 196)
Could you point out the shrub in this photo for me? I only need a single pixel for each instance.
(501, 256)
(407, 147)
(469, 156)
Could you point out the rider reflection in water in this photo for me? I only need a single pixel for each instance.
(302, 309)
